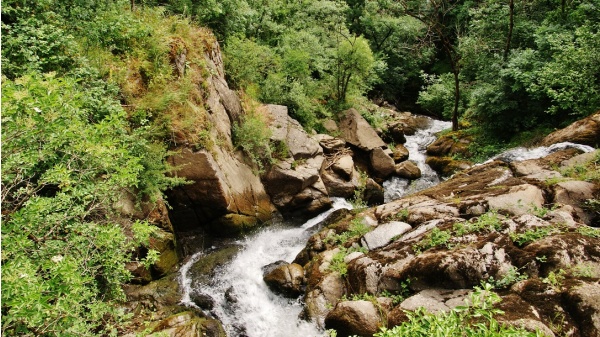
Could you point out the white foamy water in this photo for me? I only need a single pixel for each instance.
(397, 187)
(256, 311)
(522, 153)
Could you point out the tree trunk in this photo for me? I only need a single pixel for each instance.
(132, 3)
(456, 100)
(511, 23)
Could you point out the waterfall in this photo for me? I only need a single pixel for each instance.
(396, 187)
(243, 302)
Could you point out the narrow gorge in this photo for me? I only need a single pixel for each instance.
(255, 265)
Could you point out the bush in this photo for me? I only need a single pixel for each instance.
(477, 319)
(66, 160)
(253, 136)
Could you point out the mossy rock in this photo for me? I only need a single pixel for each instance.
(203, 269)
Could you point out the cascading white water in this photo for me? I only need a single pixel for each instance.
(522, 153)
(255, 310)
(416, 144)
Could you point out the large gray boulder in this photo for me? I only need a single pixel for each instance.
(286, 279)
(221, 187)
(357, 131)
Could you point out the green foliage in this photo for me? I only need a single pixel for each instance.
(477, 319)
(337, 263)
(31, 44)
(489, 221)
(509, 278)
(357, 229)
(66, 161)
(555, 279)
(589, 231)
(531, 235)
(252, 136)
(436, 237)
(358, 201)
(354, 62)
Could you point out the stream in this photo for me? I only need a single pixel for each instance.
(396, 187)
(242, 300)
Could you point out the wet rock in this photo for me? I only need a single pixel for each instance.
(286, 279)
(449, 145)
(383, 234)
(374, 193)
(187, 324)
(164, 243)
(446, 166)
(354, 318)
(585, 131)
(230, 295)
(408, 170)
(400, 153)
(203, 301)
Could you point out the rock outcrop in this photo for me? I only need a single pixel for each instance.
(295, 183)
(585, 131)
(498, 223)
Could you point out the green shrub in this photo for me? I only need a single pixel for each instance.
(434, 238)
(488, 221)
(64, 246)
(476, 320)
(252, 136)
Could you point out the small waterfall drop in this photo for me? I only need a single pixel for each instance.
(523, 153)
(243, 302)
(416, 144)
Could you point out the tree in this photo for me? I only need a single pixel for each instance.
(354, 62)
(445, 21)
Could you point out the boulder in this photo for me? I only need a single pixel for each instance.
(344, 166)
(446, 166)
(436, 300)
(357, 131)
(584, 302)
(585, 131)
(449, 145)
(325, 294)
(400, 153)
(363, 274)
(164, 243)
(288, 130)
(374, 193)
(381, 163)
(337, 186)
(188, 324)
(518, 200)
(221, 185)
(330, 144)
(384, 233)
(408, 170)
(575, 193)
(330, 126)
(354, 318)
(286, 279)
(296, 187)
